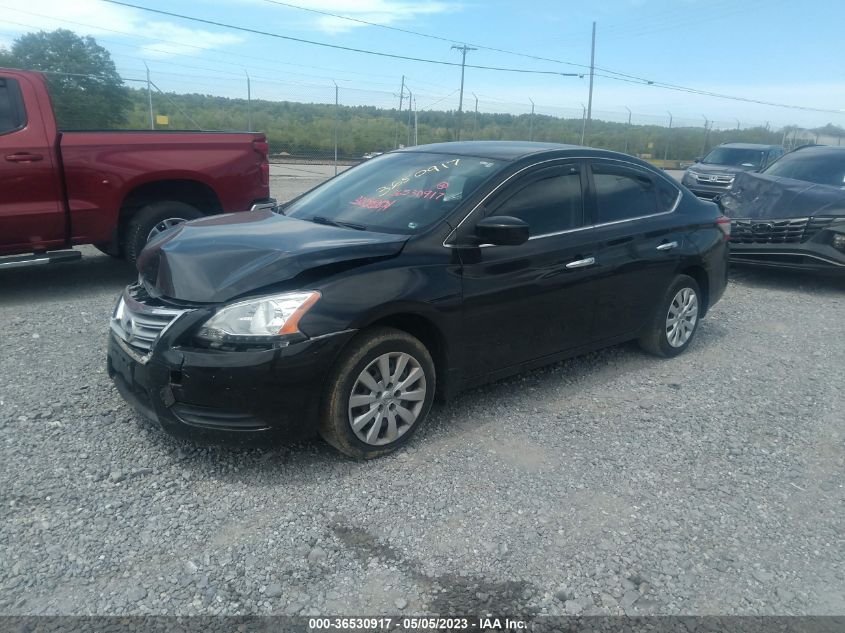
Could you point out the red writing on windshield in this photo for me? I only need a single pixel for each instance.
(449, 164)
(373, 203)
(428, 194)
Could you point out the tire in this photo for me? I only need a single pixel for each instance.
(365, 356)
(147, 218)
(660, 337)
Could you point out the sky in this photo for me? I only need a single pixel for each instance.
(777, 51)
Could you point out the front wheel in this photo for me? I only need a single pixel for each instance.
(151, 220)
(675, 321)
(378, 394)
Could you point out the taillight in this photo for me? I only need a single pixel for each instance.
(263, 149)
(724, 224)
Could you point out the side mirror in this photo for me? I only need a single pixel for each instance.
(697, 159)
(502, 230)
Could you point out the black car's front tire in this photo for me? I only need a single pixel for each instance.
(675, 320)
(378, 394)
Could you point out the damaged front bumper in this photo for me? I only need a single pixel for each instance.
(217, 396)
(815, 244)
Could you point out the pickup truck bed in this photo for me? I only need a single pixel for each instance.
(111, 188)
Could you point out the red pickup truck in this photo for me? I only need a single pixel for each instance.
(108, 188)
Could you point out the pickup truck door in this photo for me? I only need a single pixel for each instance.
(32, 215)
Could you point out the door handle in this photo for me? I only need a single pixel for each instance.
(581, 263)
(23, 157)
(667, 246)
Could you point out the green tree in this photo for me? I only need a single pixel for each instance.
(86, 90)
(5, 58)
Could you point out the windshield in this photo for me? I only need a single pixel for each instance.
(824, 169)
(405, 192)
(734, 157)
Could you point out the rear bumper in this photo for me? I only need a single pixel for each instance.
(270, 203)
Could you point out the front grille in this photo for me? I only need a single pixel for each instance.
(817, 224)
(789, 231)
(721, 180)
(138, 322)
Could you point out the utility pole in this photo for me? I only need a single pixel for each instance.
(410, 98)
(592, 72)
(531, 121)
(416, 124)
(583, 122)
(401, 98)
(475, 118)
(248, 101)
(627, 129)
(706, 135)
(150, 97)
(668, 140)
(336, 114)
(738, 125)
(464, 50)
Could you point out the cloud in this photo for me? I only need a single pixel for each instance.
(383, 12)
(95, 18)
(193, 39)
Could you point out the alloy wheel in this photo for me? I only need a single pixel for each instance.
(682, 317)
(387, 398)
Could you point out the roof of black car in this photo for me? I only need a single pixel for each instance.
(748, 145)
(822, 149)
(497, 150)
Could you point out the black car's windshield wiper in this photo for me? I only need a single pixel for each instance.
(319, 219)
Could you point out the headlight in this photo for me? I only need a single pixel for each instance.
(117, 315)
(263, 319)
(690, 175)
(838, 241)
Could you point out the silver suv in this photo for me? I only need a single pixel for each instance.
(713, 175)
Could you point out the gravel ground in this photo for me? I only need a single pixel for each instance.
(608, 484)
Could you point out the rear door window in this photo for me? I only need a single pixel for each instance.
(623, 193)
(12, 113)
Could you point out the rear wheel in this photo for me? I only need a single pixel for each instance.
(379, 393)
(675, 321)
(151, 220)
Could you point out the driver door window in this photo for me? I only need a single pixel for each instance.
(549, 201)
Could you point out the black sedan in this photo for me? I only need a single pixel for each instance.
(417, 273)
(792, 215)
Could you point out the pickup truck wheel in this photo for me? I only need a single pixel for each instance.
(153, 219)
(378, 394)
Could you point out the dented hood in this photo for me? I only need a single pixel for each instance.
(761, 196)
(219, 258)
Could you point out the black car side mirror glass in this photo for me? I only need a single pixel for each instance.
(502, 230)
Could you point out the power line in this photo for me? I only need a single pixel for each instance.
(707, 93)
(335, 46)
(612, 74)
(427, 35)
